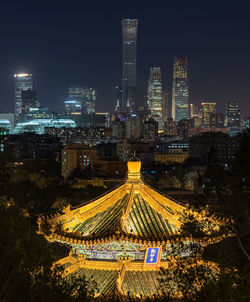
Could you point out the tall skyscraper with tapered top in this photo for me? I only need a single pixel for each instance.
(154, 98)
(129, 36)
(180, 105)
(23, 81)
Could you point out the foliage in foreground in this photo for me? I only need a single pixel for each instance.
(26, 264)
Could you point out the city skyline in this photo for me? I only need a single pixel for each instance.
(56, 66)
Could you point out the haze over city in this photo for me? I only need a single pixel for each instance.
(79, 43)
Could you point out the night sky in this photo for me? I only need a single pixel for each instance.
(63, 43)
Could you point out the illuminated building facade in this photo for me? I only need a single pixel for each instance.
(245, 123)
(207, 109)
(73, 106)
(150, 130)
(129, 37)
(8, 116)
(133, 126)
(5, 124)
(38, 126)
(172, 156)
(170, 127)
(81, 99)
(40, 113)
(29, 100)
(217, 120)
(194, 111)
(165, 104)
(154, 97)
(184, 128)
(118, 94)
(232, 116)
(180, 94)
(23, 81)
(122, 239)
(76, 156)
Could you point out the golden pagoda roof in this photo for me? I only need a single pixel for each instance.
(133, 209)
(119, 227)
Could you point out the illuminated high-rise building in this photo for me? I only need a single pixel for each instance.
(245, 123)
(81, 98)
(29, 100)
(23, 81)
(129, 36)
(217, 120)
(165, 104)
(180, 103)
(194, 111)
(154, 97)
(207, 109)
(232, 116)
(118, 95)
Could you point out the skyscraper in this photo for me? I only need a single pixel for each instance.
(194, 111)
(180, 106)
(118, 96)
(154, 97)
(23, 81)
(165, 105)
(207, 109)
(29, 100)
(232, 116)
(129, 36)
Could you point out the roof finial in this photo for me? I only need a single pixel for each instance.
(134, 153)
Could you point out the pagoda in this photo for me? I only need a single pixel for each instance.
(123, 238)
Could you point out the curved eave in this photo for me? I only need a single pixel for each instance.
(65, 239)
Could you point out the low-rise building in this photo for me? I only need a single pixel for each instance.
(224, 146)
(76, 156)
(172, 156)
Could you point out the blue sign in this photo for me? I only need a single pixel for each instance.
(152, 255)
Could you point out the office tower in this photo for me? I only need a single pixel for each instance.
(86, 97)
(118, 97)
(129, 35)
(23, 81)
(29, 100)
(245, 123)
(207, 109)
(165, 104)
(154, 98)
(133, 126)
(217, 120)
(170, 127)
(194, 110)
(184, 128)
(150, 130)
(232, 116)
(73, 106)
(180, 106)
(40, 113)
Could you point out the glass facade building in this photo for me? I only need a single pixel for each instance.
(29, 99)
(129, 37)
(23, 81)
(232, 116)
(207, 109)
(180, 94)
(154, 97)
(38, 126)
(245, 123)
(81, 99)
